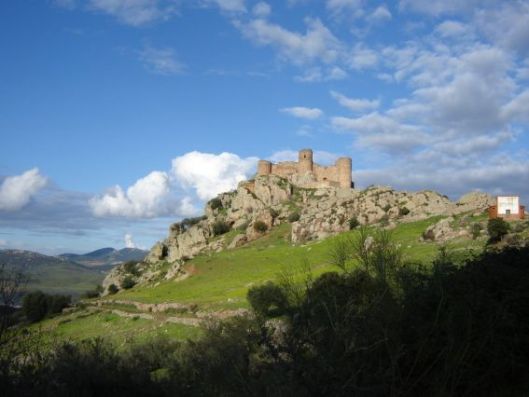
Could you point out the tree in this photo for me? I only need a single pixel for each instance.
(35, 306)
(497, 228)
(260, 227)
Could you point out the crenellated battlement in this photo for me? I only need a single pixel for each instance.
(309, 174)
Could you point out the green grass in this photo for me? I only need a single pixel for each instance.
(90, 324)
(221, 280)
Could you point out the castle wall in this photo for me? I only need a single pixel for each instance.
(338, 175)
(285, 169)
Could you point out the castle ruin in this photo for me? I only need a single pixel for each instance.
(306, 173)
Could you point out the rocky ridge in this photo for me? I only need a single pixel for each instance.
(234, 218)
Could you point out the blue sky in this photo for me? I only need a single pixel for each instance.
(118, 117)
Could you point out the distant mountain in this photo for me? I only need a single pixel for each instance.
(106, 258)
(52, 274)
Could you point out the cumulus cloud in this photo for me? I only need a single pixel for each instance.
(129, 243)
(316, 44)
(318, 74)
(303, 112)
(228, 5)
(355, 104)
(380, 14)
(262, 9)
(135, 12)
(161, 61)
(147, 198)
(17, 191)
(210, 174)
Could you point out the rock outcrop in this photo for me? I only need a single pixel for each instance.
(234, 218)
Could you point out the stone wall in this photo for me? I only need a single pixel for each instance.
(309, 174)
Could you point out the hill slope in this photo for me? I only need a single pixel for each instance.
(51, 274)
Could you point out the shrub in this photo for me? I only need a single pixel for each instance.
(220, 227)
(112, 289)
(476, 230)
(37, 305)
(93, 293)
(215, 203)
(497, 228)
(403, 211)
(386, 208)
(294, 217)
(519, 227)
(243, 226)
(353, 223)
(131, 268)
(274, 213)
(260, 227)
(188, 222)
(267, 300)
(128, 282)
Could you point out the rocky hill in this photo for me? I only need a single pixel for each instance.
(235, 218)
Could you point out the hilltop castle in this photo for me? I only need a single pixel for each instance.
(306, 173)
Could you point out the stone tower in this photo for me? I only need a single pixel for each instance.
(264, 167)
(305, 161)
(344, 165)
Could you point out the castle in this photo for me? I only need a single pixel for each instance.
(306, 173)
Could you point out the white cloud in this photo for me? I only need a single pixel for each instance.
(317, 74)
(355, 104)
(341, 5)
(161, 61)
(147, 198)
(211, 174)
(228, 5)
(303, 112)
(450, 28)
(440, 7)
(135, 12)
(3, 243)
(129, 243)
(380, 14)
(16, 191)
(262, 9)
(362, 57)
(317, 44)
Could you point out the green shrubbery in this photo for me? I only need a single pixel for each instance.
(497, 228)
(38, 305)
(459, 330)
(353, 223)
(128, 282)
(221, 227)
(112, 289)
(215, 203)
(294, 217)
(260, 226)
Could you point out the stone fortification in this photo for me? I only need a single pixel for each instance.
(305, 173)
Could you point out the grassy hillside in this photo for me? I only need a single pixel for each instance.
(51, 274)
(220, 281)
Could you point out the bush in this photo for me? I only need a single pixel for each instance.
(353, 223)
(294, 217)
(128, 282)
(215, 203)
(38, 305)
(274, 213)
(497, 228)
(220, 227)
(403, 211)
(35, 306)
(112, 289)
(93, 293)
(260, 227)
(131, 268)
(267, 300)
(188, 222)
(476, 230)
